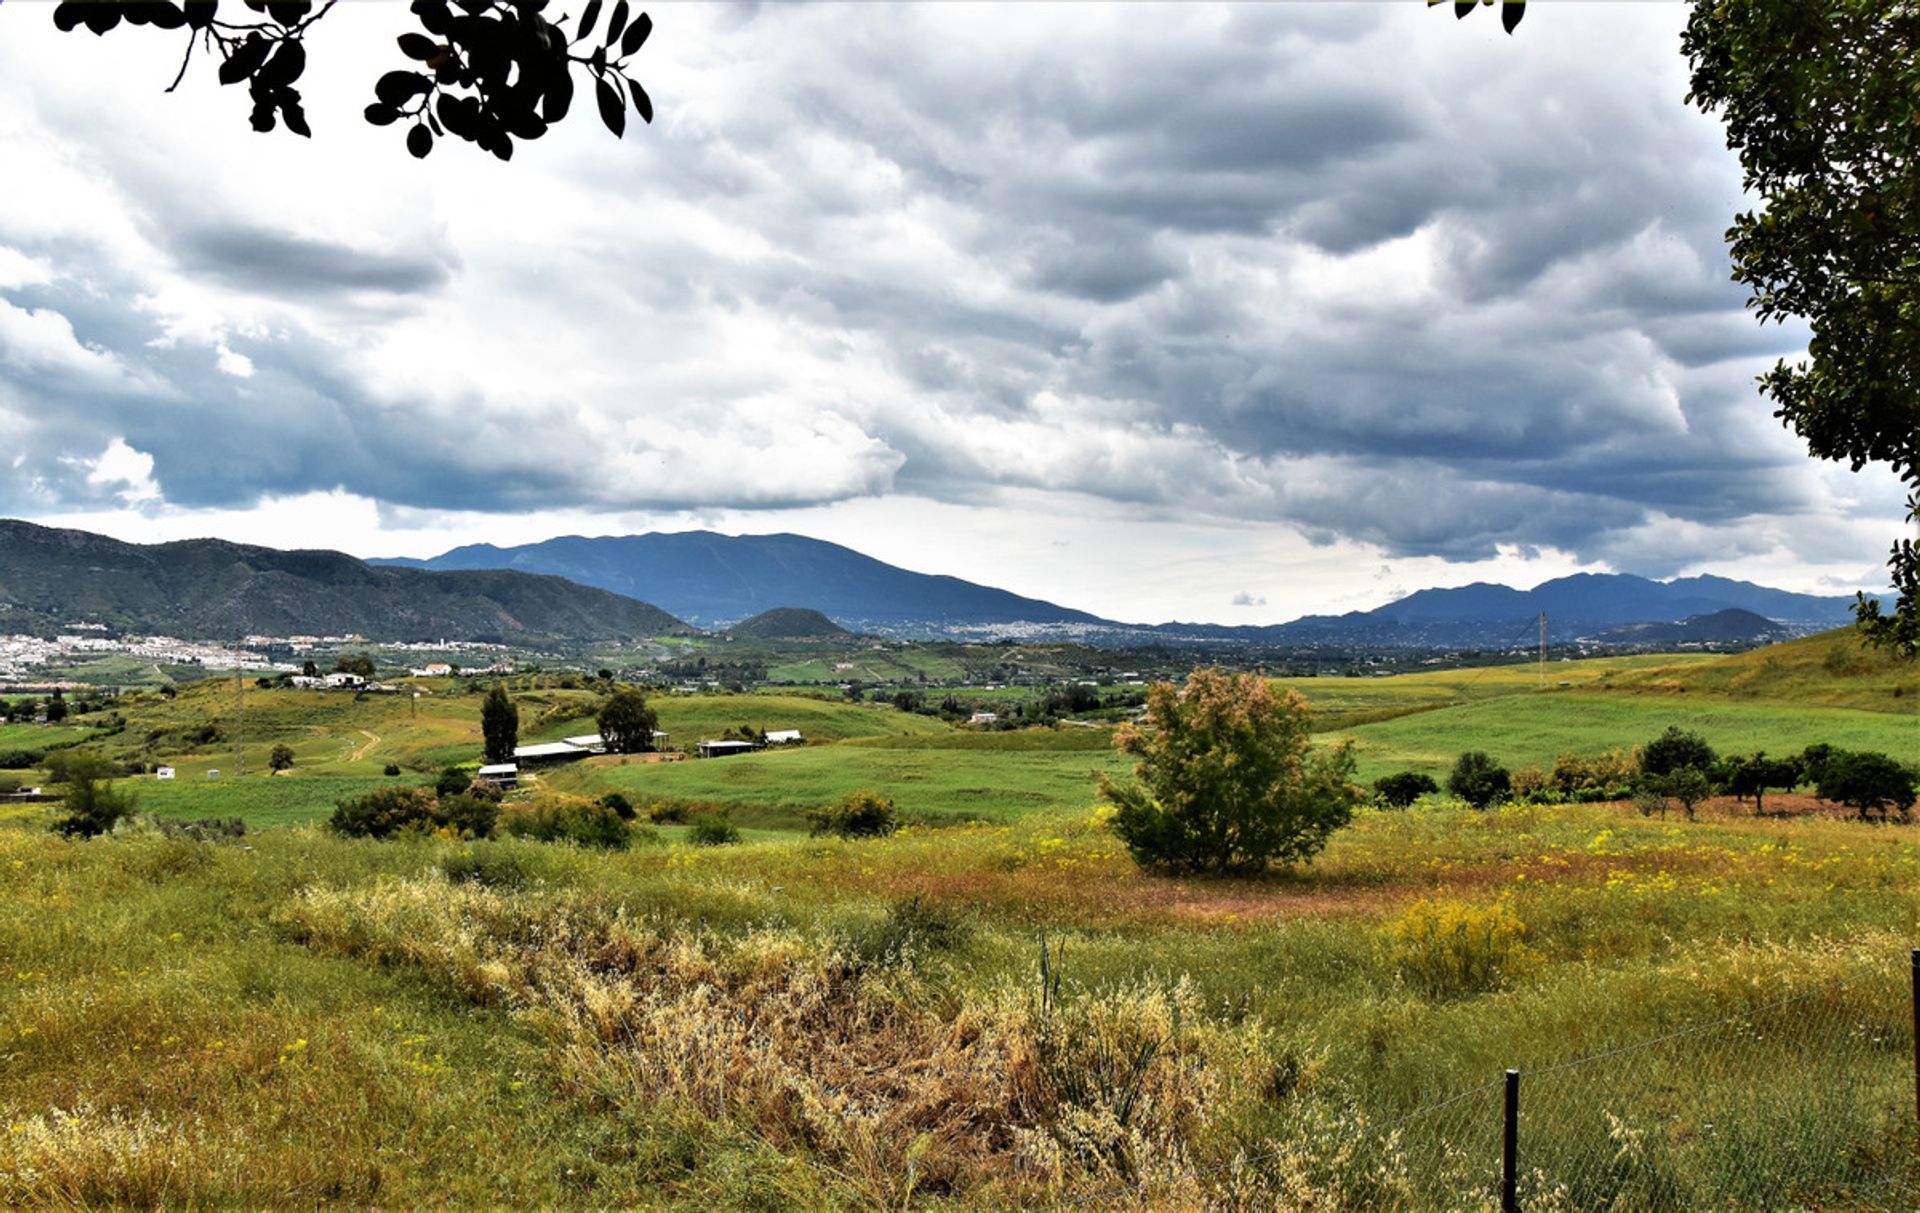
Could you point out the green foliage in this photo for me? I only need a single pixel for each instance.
(626, 723)
(499, 725)
(453, 781)
(856, 815)
(1401, 790)
(1227, 779)
(281, 759)
(1479, 780)
(712, 830)
(913, 927)
(355, 663)
(621, 806)
(390, 770)
(1818, 102)
(569, 819)
(1689, 785)
(1753, 775)
(1674, 749)
(1868, 783)
(389, 811)
(93, 805)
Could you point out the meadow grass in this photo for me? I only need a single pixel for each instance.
(320, 1020)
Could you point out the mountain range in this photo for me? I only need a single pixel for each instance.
(213, 589)
(715, 580)
(783, 586)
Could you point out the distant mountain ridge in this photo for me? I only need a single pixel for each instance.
(211, 589)
(715, 580)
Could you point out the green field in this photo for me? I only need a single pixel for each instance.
(930, 785)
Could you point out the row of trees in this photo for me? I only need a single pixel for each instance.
(1677, 766)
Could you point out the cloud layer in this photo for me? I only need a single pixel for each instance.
(1390, 286)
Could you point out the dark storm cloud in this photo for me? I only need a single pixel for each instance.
(1347, 268)
(274, 262)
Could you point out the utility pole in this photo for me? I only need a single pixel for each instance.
(1543, 650)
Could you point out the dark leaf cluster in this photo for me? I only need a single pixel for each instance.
(486, 71)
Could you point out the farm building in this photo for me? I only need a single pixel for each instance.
(984, 718)
(551, 751)
(163, 772)
(500, 775)
(341, 680)
(784, 737)
(433, 669)
(308, 680)
(724, 749)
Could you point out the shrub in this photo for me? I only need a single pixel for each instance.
(621, 806)
(1400, 791)
(1534, 784)
(1228, 779)
(281, 759)
(1649, 801)
(452, 782)
(570, 819)
(93, 806)
(391, 769)
(467, 814)
(384, 812)
(667, 812)
(1446, 949)
(857, 815)
(20, 760)
(1688, 785)
(712, 830)
(203, 829)
(1479, 780)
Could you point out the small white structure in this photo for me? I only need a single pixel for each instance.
(433, 669)
(308, 680)
(213, 772)
(500, 775)
(984, 718)
(784, 737)
(551, 751)
(724, 749)
(163, 772)
(341, 679)
(592, 743)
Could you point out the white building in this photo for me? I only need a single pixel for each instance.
(344, 680)
(783, 736)
(984, 718)
(163, 772)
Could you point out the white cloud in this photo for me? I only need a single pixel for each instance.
(131, 470)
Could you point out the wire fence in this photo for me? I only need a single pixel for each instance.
(1809, 1101)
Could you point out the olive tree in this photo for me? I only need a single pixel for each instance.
(1227, 778)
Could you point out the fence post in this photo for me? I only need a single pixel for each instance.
(1916, 1033)
(1510, 1139)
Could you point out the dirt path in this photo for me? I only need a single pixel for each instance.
(373, 739)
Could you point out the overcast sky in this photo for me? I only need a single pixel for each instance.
(1184, 312)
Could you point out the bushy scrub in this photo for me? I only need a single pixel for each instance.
(1479, 780)
(94, 805)
(1228, 780)
(712, 830)
(858, 815)
(386, 812)
(1447, 948)
(203, 829)
(1401, 790)
(913, 926)
(572, 819)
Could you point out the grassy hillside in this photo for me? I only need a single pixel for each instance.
(1833, 668)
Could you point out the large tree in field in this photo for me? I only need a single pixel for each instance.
(1227, 779)
(626, 723)
(499, 725)
(1820, 98)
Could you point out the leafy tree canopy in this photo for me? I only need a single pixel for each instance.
(626, 723)
(1227, 779)
(1818, 100)
(499, 725)
(1675, 749)
(1479, 780)
(486, 71)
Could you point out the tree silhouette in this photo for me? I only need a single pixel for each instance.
(486, 71)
